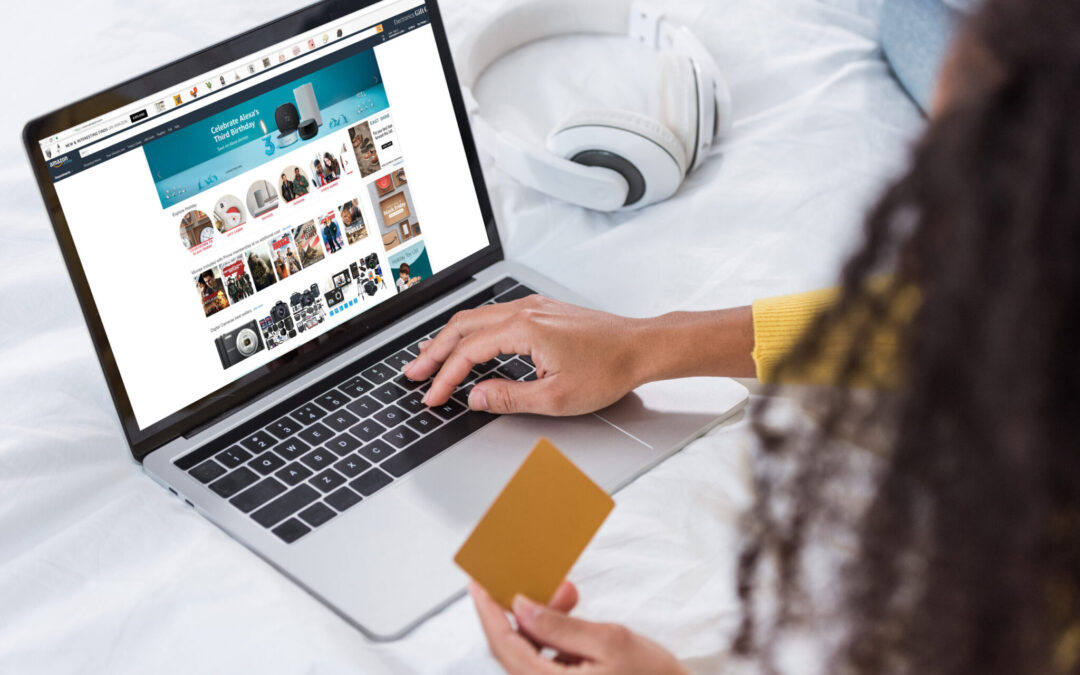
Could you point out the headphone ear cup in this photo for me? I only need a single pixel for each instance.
(676, 106)
(643, 151)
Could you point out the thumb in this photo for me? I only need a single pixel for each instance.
(563, 632)
(508, 396)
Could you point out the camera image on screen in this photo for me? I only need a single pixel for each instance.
(238, 344)
(334, 296)
(308, 309)
(369, 275)
(278, 327)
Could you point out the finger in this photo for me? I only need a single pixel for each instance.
(477, 347)
(508, 647)
(507, 397)
(565, 598)
(461, 324)
(563, 632)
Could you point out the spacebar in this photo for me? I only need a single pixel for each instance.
(435, 442)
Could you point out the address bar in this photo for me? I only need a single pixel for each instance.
(392, 10)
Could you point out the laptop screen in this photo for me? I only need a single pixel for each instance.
(232, 218)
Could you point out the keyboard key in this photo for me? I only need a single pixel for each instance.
(485, 367)
(292, 448)
(285, 505)
(400, 437)
(258, 442)
(291, 530)
(317, 514)
(390, 416)
(413, 403)
(515, 293)
(409, 385)
(462, 394)
(343, 498)
(308, 413)
(316, 434)
(327, 480)
(514, 370)
(233, 457)
(364, 406)
(414, 348)
(355, 386)
(503, 357)
(294, 473)
(503, 285)
(371, 482)
(318, 459)
(387, 393)
(399, 360)
(342, 444)
(379, 373)
(367, 430)
(424, 422)
(234, 482)
(207, 471)
(528, 360)
(332, 400)
(377, 451)
(267, 463)
(435, 442)
(257, 494)
(448, 410)
(284, 427)
(530, 377)
(352, 466)
(340, 420)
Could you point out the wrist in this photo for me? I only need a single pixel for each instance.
(694, 344)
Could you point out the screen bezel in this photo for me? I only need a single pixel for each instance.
(248, 387)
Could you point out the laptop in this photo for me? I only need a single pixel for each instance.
(259, 235)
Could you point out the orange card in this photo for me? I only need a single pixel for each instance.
(535, 530)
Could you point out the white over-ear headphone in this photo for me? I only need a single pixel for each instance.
(606, 160)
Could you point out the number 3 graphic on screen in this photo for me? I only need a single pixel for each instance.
(270, 147)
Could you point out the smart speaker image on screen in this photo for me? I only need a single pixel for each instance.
(296, 190)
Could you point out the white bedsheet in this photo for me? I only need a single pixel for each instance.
(103, 571)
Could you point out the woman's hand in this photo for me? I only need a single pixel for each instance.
(585, 359)
(582, 646)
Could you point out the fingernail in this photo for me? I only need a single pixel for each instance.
(410, 364)
(525, 609)
(421, 345)
(477, 400)
(425, 399)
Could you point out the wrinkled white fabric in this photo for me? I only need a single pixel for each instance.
(103, 571)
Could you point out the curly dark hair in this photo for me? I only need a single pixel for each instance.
(966, 555)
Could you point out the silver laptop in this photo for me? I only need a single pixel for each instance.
(259, 235)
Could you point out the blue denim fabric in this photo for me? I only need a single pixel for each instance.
(915, 35)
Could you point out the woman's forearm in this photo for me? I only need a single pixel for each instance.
(691, 344)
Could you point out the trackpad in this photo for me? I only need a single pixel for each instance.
(459, 485)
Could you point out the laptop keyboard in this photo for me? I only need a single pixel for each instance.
(341, 440)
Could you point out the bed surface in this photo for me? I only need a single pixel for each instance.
(103, 571)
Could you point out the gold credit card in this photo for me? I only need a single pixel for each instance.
(535, 530)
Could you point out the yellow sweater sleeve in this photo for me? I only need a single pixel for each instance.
(780, 322)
